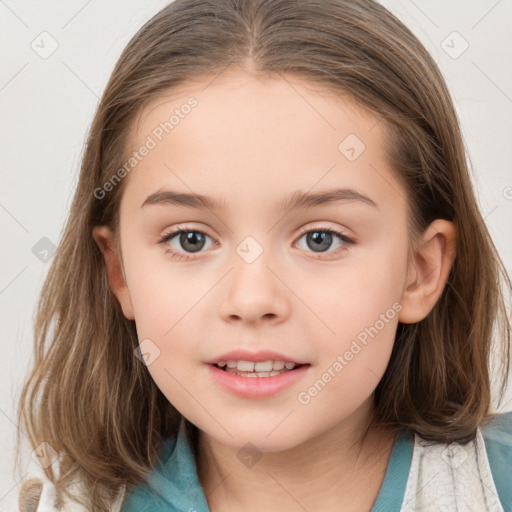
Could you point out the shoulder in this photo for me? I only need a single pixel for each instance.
(497, 434)
(38, 494)
(30, 494)
(476, 475)
(499, 430)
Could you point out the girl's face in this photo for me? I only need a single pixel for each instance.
(255, 273)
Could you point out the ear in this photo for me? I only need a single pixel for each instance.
(428, 271)
(115, 272)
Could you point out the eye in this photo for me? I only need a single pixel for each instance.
(321, 239)
(191, 240)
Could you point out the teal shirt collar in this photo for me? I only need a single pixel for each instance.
(392, 490)
(174, 486)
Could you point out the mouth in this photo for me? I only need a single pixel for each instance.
(268, 368)
(268, 377)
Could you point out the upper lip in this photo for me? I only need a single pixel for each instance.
(256, 357)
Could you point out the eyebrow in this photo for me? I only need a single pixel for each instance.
(297, 200)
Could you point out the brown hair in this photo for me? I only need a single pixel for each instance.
(90, 397)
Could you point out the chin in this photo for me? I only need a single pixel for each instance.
(257, 439)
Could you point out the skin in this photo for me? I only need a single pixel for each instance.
(253, 142)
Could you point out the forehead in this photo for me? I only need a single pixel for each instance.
(239, 133)
(237, 102)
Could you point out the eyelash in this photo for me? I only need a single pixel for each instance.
(184, 256)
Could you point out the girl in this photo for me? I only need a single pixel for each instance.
(326, 345)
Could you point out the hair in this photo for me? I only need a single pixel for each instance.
(90, 398)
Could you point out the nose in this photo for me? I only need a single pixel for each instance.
(254, 293)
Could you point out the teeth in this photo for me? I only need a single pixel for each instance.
(245, 366)
(272, 373)
(263, 366)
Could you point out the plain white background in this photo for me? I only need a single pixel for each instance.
(47, 102)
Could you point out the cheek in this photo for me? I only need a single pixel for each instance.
(353, 360)
(162, 294)
(170, 304)
(359, 308)
(168, 313)
(355, 296)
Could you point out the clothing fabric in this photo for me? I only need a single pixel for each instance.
(420, 477)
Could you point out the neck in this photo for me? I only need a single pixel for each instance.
(338, 466)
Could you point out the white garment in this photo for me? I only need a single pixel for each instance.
(450, 478)
(48, 492)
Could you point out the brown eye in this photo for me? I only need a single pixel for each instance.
(181, 243)
(320, 240)
(191, 241)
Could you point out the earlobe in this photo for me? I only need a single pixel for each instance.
(115, 273)
(428, 271)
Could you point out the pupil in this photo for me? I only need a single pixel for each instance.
(320, 238)
(191, 237)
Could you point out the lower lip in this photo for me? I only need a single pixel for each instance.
(257, 387)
